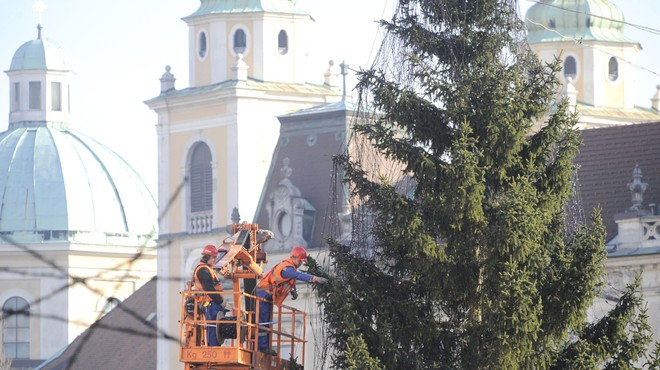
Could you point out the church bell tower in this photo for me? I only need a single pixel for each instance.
(587, 36)
(216, 138)
(267, 36)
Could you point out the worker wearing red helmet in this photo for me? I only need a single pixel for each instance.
(276, 285)
(205, 279)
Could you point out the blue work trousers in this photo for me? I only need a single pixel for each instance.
(265, 312)
(211, 313)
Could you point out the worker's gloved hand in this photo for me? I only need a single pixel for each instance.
(320, 280)
(225, 307)
(294, 295)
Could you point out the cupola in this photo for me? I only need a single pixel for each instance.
(39, 83)
(587, 36)
(267, 36)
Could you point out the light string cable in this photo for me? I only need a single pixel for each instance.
(581, 42)
(643, 28)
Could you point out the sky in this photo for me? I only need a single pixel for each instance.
(119, 49)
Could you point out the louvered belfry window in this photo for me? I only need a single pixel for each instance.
(201, 179)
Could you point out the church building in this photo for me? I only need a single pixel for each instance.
(77, 223)
(247, 66)
(599, 72)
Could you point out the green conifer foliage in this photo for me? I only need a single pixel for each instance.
(476, 267)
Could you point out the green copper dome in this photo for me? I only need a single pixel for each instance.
(246, 6)
(564, 20)
(57, 184)
(40, 55)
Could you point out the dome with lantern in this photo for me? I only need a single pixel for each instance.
(564, 20)
(58, 184)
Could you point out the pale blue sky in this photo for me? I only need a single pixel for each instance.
(118, 50)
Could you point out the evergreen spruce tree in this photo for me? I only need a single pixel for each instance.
(477, 267)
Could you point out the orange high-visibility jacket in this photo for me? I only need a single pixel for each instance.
(197, 286)
(276, 285)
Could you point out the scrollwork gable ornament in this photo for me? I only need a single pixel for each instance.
(290, 216)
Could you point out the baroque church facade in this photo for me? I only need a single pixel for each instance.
(247, 66)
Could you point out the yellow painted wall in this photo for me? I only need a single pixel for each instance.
(248, 27)
(203, 67)
(180, 145)
(615, 89)
(199, 113)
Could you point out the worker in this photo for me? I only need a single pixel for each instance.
(205, 279)
(276, 285)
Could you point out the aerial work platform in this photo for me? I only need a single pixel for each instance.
(240, 260)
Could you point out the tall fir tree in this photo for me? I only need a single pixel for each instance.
(477, 266)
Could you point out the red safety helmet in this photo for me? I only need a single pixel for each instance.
(210, 250)
(299, 253)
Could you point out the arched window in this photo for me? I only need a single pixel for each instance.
(240, 41)
(201, 48)
(570, 68)
(613, 69)
(201, 179)
(110, 303)
(16, 330)
(283, 42)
